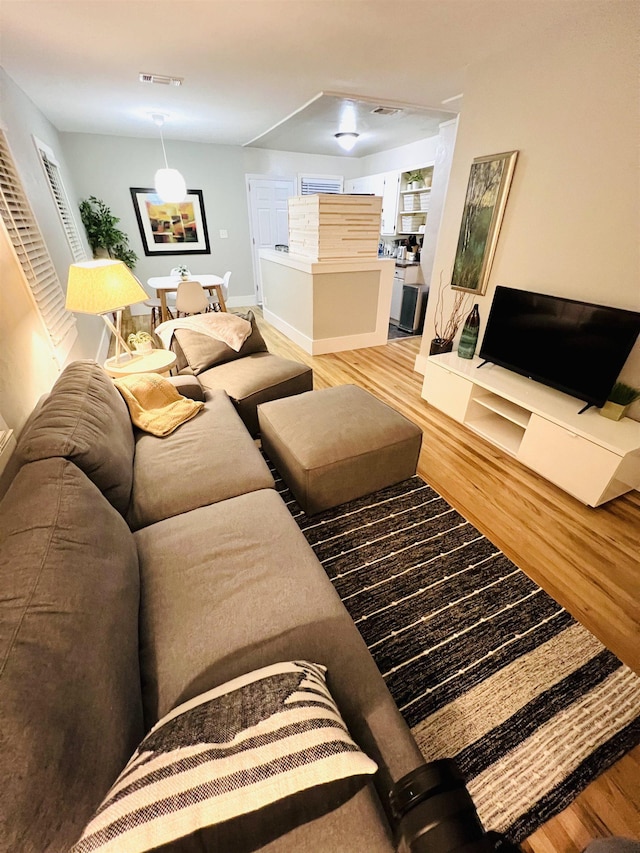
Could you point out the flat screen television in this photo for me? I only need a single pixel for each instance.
(575, 347)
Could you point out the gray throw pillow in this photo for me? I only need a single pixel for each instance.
(202, 351)
(231, 753)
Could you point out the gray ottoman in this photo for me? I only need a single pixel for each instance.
(337, 444)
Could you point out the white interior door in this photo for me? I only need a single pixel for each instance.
(269, 218)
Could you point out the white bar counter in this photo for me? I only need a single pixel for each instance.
(327, 306)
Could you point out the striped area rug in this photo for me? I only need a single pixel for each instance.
(485, 667)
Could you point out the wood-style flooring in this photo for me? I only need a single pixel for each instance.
(587, 559)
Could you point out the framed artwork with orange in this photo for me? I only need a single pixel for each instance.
(171, 228)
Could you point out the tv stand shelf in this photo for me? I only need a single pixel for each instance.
(589, 456)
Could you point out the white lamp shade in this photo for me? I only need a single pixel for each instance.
(347, 140)
(97, 287)
(170, 185)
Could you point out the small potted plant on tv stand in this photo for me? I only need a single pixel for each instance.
(620, 398)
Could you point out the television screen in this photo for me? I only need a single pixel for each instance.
(575, 347)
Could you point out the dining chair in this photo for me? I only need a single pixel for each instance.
(191, 298)
(156, 309)
(214, 304)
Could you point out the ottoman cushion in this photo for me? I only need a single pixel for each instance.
(256, 379)
(337, 444)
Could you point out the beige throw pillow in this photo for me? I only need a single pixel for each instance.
(202, 351)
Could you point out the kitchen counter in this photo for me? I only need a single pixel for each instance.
(404, 264)
(327, 306)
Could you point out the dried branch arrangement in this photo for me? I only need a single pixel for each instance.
(446, 331)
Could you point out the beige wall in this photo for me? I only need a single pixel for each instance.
(568, 101)
(27, 364)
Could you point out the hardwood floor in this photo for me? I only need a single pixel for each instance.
(587, 559)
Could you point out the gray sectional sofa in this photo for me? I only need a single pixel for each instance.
(137, 572)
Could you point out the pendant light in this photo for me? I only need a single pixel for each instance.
(347, 139)
(169, 183)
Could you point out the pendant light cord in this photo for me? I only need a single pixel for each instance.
(163, 149)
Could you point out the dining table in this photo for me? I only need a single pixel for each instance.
(164, 284)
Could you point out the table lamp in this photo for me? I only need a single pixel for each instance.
(103, 287)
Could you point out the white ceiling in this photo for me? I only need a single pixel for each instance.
(249, 64)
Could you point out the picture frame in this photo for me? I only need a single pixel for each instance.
(487, 191)
(171, 228)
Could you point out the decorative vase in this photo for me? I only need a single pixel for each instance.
(440, 345)
(469, 336)
(144, 346)
(613, 411)
(184, 276)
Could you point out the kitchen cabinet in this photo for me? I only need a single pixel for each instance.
(586, 455)
(390, 203)
(386, 186)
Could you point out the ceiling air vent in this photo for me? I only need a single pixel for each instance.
(162, 79)
(386, 111)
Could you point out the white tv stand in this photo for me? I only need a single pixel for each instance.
(591, 457)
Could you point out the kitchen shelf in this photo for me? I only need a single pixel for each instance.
(421, 190)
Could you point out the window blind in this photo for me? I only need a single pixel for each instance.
(310, 184)
(33, 256)
(52, 171)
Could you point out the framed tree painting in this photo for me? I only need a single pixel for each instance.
(484, 205)
(171, 228)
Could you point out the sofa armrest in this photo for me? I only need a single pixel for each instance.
(188, 386)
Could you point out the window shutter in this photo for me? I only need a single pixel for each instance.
(52, 171)
(33, 256)
(311, 184)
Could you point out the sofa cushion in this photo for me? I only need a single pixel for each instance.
(70, 699)
(208, 459)
(85, 419)
(230, 753)
(257, 379)
(245, 592)
(202, 351)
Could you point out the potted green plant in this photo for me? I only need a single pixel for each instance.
(140, 341)
(620, 398)
(415, 180)
(103, 236)
(183, 272)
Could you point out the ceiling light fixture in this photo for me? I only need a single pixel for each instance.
(346, 140)
(169, 183)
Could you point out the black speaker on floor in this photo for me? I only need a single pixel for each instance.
(434, 813)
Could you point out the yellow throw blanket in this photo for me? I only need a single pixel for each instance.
(155, 404)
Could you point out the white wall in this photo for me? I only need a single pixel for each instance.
(108, 166)
(27, 367)
(279, 163)
(404, 158)
(568, 102)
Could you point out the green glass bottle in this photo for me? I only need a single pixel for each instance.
(469, 336)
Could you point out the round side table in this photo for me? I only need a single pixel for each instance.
(156, 361)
